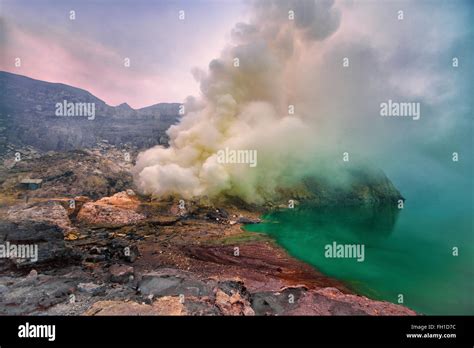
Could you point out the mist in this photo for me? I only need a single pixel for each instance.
(302, 83)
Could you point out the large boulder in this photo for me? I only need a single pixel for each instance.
(44, 241)
(325, 301)
(50, 212)
(167, 305)
(117, 210)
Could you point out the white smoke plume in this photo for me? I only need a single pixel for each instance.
(244, 107)
(299, 62)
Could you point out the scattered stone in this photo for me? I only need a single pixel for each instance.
(71, 236)
(3, 289)
(33, 274)
(277, 303)
(120, 273)
(172, 285)
(232, 298)
(244, 220)
(130, 253)
(122, 250)
(163, 306)
(34, 297)
(217, 215)
(91, 288)
(233, 305)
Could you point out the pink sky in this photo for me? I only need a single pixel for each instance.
(59, 53)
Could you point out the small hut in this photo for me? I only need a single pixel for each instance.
(31, 184)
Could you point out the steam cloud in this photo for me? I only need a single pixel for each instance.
(299, 62)
(243, 107)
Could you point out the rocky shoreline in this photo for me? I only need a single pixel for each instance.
(109, 251)
(175, 264)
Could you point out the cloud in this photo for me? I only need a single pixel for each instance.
(283, 62)
(245, 107)
(89, 52)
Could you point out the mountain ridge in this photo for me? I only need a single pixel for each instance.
(28, 118)
(4, 73)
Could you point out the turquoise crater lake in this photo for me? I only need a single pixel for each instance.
(408, 252)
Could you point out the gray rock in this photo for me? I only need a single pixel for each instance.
(171, 285)
(91, 288)
(271, 303)
(48, 239)
(120, 273)
(30, 297)
(244, 220)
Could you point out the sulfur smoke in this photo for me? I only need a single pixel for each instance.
(249, 101)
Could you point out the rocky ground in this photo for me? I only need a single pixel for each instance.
(104, 250)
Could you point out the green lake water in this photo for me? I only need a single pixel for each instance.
(408, 251)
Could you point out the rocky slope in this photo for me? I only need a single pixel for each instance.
(95, 173)
(173, 262)
(114, 252)
(27, 117)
